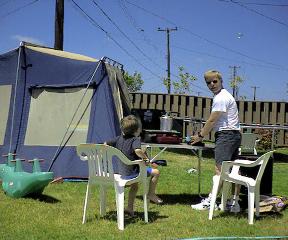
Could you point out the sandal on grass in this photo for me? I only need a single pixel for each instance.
(155, 199)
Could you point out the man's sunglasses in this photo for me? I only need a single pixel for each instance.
(214, 81)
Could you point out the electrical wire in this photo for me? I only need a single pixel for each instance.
(125, 35)
(18, 9)
(259, 13)
(201, 37)
(259, 4)
(93, 22)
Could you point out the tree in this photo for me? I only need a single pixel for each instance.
(134, 82)
(183, 84)
(234, 84)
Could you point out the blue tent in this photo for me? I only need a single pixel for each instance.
(52, 100)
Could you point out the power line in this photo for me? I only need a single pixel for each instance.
(261, 14)
(94, 23)
(259, 4)
(201, 37)
(18, 9)
(228, 59)
(125, 35)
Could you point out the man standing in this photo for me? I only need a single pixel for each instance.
(224, 121)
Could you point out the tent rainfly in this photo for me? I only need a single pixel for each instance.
(52, 100)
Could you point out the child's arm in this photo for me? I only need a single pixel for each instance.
(141, 154)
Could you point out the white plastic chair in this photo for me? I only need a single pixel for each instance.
(248, 144)
(233, 175)
(101, 173)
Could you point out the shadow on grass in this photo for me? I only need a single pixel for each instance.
(183, 198)
(280, 157)
(43, 198)
(244, 214)
(138, 216)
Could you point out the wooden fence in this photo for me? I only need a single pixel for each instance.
(250, 112)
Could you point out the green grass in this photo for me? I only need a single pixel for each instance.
(57, 214)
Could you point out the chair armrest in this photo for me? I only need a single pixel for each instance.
(135, 162)
(241, 163)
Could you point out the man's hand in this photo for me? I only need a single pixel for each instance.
(195, 139)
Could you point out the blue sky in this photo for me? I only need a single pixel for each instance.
(212, 34)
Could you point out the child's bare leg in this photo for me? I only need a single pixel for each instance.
(152, 187)
(131, 198)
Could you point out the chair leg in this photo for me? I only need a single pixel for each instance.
(225, 191)
(120, 206)
(251, 200)
(102, 200)
(145, 202)
(257, 199)
(216, 182)
(86, 203)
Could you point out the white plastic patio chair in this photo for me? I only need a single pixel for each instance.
(233, 175)
(248, 144)
(99, 157)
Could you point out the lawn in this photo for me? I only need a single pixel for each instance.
(57, 214)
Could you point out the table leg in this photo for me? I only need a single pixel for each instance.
(198, 154)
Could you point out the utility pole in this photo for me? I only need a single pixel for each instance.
(167, 30)
(234, 84)
(59, 22)
(254, 92)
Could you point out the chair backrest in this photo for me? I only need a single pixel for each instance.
(248, 143)
(100, 164)
(262, 161)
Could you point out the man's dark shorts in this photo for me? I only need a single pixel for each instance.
(227, 143)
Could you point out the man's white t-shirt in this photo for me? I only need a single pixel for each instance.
(224, 102)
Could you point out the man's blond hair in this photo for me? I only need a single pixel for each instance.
(212, 73)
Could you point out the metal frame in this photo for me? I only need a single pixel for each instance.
(196, 150)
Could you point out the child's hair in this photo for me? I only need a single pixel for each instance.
(130, 124)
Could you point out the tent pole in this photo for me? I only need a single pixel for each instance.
(81, 100)
(15, 94)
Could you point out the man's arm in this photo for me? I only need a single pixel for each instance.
(214, 116)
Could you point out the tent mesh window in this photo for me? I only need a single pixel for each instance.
(5, 95)
(50, 115)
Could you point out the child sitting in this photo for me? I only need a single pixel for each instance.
(130, 144)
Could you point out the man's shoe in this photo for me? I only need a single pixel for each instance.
(235, 207)
(231, 206)
(204, 204)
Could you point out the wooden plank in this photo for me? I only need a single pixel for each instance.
(257, 113)
(182, 108)
(175, 103)
(152, 102)
(160, 102)
(144, 103)
(190, 107)
(167, 105)
(273, 113)
(207, 109)
(249, 113)
(265, 113)
(137, 101)
(281, 114)
(241, 112)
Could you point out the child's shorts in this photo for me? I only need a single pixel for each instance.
(148, 169)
